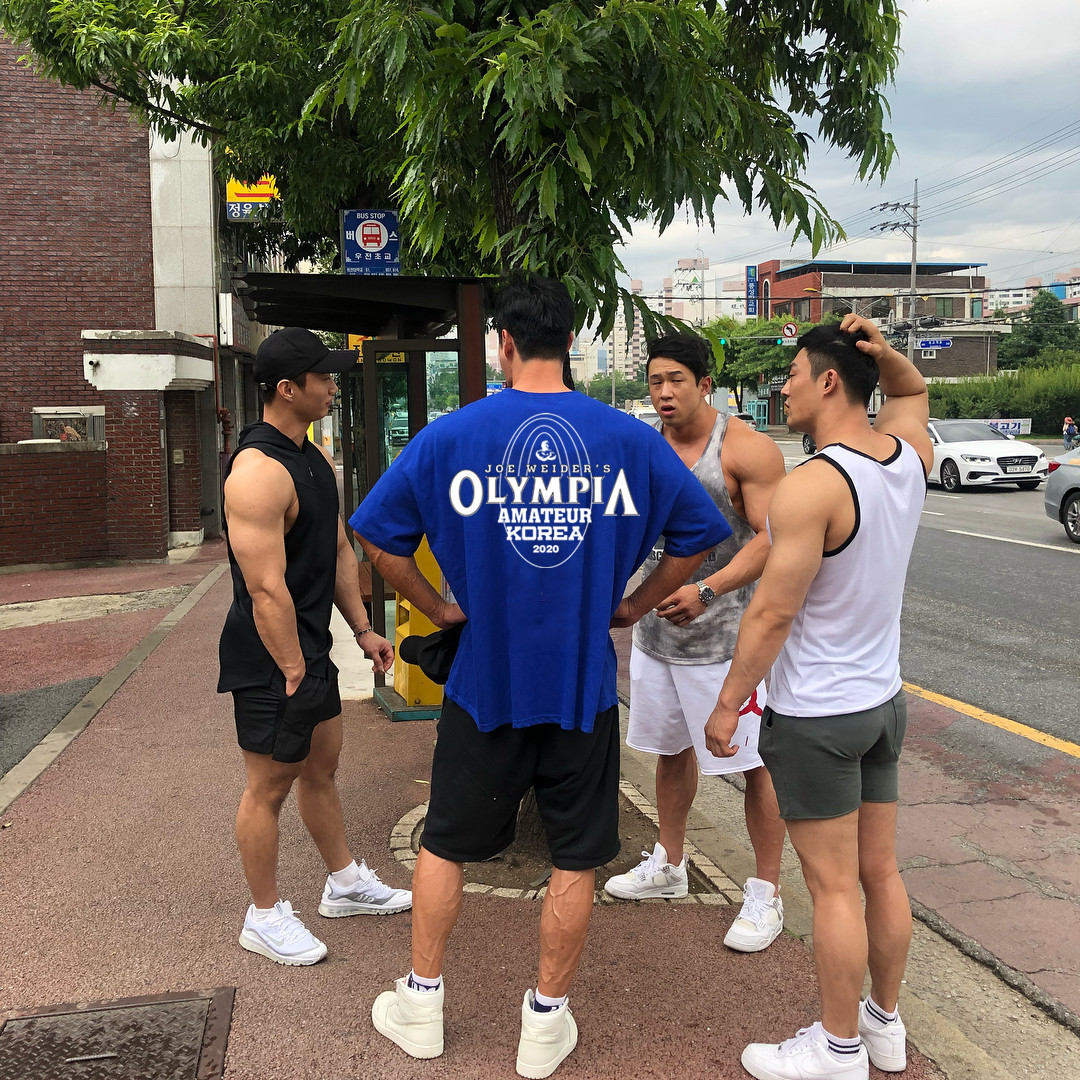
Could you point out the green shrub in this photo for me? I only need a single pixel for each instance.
(1046, 394)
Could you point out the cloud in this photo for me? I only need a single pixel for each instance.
(977, 83)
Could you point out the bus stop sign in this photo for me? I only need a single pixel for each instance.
(370, 242)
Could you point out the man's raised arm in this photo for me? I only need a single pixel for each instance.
(907, 404)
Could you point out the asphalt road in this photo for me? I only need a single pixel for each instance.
(993, 619)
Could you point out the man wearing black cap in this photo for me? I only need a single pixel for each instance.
(291, 562)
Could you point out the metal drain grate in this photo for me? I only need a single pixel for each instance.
(169, 1037)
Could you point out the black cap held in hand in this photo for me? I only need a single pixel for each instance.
(294, 350)
(433, 654)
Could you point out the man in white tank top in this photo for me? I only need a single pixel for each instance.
(683, 649)
(826, 618)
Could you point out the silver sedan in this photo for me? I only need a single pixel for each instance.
(1062, 494)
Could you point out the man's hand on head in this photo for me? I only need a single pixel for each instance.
(875, 345)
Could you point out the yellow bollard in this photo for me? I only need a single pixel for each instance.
(410, 682)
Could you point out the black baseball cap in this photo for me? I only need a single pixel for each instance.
(433, 654)
(294, 350)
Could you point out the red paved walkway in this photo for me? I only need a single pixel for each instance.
(120, 878)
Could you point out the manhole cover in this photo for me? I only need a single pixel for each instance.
(170, 1037)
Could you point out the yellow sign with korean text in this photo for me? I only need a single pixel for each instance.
(244, 200)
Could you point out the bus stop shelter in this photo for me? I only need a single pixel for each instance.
(411, 326)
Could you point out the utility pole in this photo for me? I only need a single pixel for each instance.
(701, 270)
(911, 228)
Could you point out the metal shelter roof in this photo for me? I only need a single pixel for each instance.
(424, 307)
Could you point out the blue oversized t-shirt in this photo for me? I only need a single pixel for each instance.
(538, 508)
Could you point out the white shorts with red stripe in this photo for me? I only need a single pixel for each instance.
(670, 703)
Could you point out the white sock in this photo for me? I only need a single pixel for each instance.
(543, 1003)
(425, 986)
(844, 1049)
(260, 913)
(879, 1016)
(348, 875)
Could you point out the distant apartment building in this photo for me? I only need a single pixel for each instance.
(696, 294)
(1064, 286)
(626, 345)
(588, 358)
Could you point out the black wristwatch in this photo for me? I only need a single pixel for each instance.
(704, 593)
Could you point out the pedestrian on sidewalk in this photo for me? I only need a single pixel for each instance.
(682, 650)
(291, 561)
(826, 617)
(538, 503)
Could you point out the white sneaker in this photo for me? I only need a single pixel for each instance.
(759, 923)
(281, 937)
(367, 896)
(411, 1018)
(546, 1039)
(654, 877)
(885, 1043)
(806, 1057)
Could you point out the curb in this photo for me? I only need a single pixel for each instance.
(14, 782)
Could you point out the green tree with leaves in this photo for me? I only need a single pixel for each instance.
(1045, 325)
(509, 134)
(625, 389)
(749, 351)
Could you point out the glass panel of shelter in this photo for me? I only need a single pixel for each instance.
(411, 389)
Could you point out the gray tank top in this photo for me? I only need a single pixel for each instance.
(710, 638)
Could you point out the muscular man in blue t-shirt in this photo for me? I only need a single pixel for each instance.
(539, 504)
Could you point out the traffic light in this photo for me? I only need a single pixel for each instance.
(779, 341)
(723, 341)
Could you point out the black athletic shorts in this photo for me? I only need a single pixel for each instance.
(268, 722)
(478, 779)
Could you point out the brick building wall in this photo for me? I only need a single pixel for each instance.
(75, 201)
(52, 500)
(138, 495)
(185, 476)
(966, 356)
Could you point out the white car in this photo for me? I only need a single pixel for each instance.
(971, 453)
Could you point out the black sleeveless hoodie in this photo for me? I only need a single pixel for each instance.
(310, 566)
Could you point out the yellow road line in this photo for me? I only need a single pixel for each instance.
(998, 721)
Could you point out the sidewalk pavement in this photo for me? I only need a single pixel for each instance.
(120, 876)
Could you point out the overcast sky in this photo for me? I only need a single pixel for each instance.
(978, 82)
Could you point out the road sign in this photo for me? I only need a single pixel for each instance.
(789, 330)
(935, 343)
(371, 241)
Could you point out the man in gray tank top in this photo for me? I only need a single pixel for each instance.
(826, 618)
(682, 650)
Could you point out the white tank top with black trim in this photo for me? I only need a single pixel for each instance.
(843, 652)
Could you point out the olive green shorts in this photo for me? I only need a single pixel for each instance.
(827, 766)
